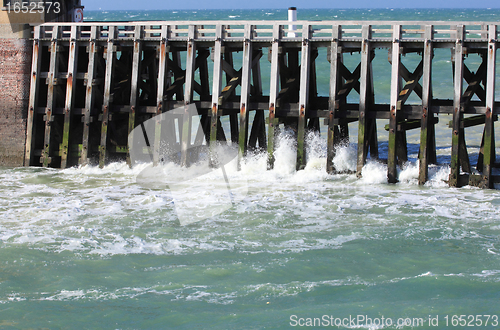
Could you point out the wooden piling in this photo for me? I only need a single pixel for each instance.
(245, 92)
(134, 85)
(46, 158)
(110, 56)
(392, 175)
(273, 94)
(363, 99)
(160, 104)
(258, 132)
(333, 102)
(489, 132)
(457, 135)
(70, 98)
(427, 125)
(90, 95)
(216, 89)
(142, 76)
(34, 91)
(188, 95)
(305, 66)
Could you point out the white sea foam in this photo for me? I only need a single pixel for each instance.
(374, 172)
(105, 212)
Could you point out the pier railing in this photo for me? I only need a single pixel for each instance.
(93, 83)
(380, 31)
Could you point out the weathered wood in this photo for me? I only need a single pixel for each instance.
(474, 80)
(411, 85)
(138, 82)
(202, 64)
(412, 124)
(273, 92)
(474, 87)
(70, 96)
(110, 56)
(408, 76)
(363, 99)
(427, 115)
(489, 133)
(188, 96)
(245, 92)
(233, 117)
(351, 80)
(463, 156)
(90, 95)
(457, 110)
(257, 124)
(216, 89)
(134, 91)
(472, 121)
(34, 91)
(160, 104)
(333, 102)
(256, 91)
(392, 175)
(46, 158)
(303, 96)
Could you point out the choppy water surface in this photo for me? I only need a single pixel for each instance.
(90, 248)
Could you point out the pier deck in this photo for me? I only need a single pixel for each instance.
(93, 83)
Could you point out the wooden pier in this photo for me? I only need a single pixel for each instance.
(93, 83)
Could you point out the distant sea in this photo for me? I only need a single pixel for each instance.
(489, 15)
(90, 248)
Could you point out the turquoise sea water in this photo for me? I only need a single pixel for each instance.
(90, 248)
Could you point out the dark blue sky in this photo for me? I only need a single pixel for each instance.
(266, 4)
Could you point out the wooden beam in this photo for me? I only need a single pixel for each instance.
(110, 56)
(70, 95)
(134, 91)
(216, 89)
(474, 85)
(457, 138)
(473, 82)
(411, 124)
(90, 94)
(273, 92)
(51, 97)
(245, 92)
(410, 86)
(229, 91)
(427, 115)
(489, 133)
(188, 95)
(34, 91)
(363, 99)
(408, 76)
(303, 95)
(160, 104)
(351, 81)
(333, 102)
(472, 121)
(392, 175)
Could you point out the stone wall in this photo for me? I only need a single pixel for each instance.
(15, 68)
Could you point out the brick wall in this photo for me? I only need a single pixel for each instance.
(15, 68)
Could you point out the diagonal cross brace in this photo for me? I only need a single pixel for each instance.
(235, 78)
(182, 76)
(352, 80)
(474, 88)
(411, 85)
(292, 83)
